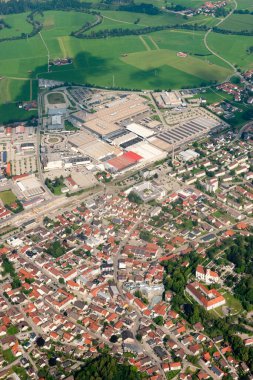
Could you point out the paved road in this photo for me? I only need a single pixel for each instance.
(216, 54)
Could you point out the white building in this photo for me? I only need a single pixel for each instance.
(206, 275)
(188, 155)
(212, 185)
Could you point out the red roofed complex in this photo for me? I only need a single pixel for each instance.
(209, 299)
(124, 161)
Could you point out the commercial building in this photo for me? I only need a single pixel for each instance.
(147, 151)
(123, 162)
(140, 130)
(29, 185)
(107, 121)
(188, 130)
(148, 191)
(188, 155)
(55, 123)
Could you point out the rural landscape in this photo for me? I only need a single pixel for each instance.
(126, 190)
(136, 48)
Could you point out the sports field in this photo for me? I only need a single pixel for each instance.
(7, 197)
(146, 61)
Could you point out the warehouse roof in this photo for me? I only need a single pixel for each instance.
(124, 161)
(140, 130)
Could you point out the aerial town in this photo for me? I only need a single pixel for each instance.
(126, 227)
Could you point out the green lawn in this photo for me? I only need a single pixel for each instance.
(172, 374)
(213, 96)
(10, 113)
(8, 356)
(12, 330)
(12, 88)
(7, 197)
(233, 303)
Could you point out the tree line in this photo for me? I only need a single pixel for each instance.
(119, 32)
(37, 26)
(243, 12)
(245, 32)
(20, 6)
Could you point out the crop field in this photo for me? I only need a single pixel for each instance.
(245, 4)
(238, 22)
(146, 61)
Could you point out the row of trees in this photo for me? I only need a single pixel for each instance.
(8, 269)
(236, 32)
(119, 32)
(37, 26)
(20, 6)
(3, 24)
(243, 12)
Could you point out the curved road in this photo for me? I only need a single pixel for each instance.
(212, 51)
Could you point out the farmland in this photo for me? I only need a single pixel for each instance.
(147, 61)
(233, 48)
(18, 25)
(239, 22)
(245, 4)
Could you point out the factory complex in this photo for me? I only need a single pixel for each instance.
(115, 132)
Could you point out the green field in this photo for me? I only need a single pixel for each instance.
(7, 197)
(245, 4)
(127, 19)
(233, 48)
(136, 62)
(238, 22)
(233, 303)
(213, 96)
(18, 25)
(18, 89)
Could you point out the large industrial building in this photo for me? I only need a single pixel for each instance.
(122, 162)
